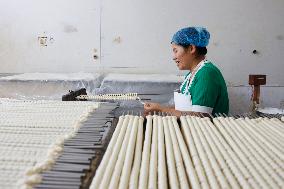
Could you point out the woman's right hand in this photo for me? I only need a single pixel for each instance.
(151, 107)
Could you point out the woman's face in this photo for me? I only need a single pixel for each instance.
(182, 56)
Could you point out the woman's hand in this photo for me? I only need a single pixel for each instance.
(151, 107)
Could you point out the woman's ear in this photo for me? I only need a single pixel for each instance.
(192, 49)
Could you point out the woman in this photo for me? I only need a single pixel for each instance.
(204, 89)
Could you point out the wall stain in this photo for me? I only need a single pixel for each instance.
(216, 44)
(279, 37)
(255, 52)
(70, 29)
(117, 40)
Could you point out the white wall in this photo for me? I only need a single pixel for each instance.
(134, 36)
(137, 34)
(72, 28)
(237, 28)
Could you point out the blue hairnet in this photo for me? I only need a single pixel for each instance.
(197, 36)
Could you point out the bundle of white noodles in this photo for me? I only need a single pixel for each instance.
(126, 96)
(198, 153)
(32, 134)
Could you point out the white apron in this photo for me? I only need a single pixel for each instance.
(183, 102)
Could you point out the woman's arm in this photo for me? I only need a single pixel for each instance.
(156, 107)
(152, 107)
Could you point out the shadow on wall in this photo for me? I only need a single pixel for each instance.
(240, 98)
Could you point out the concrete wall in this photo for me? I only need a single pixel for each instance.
(134, 37)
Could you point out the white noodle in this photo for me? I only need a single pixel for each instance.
(162, 171)
(171, 163)
(113, 170)
(107, 156)
(133, 183)
(154, 156)
(144, 171)
(193, 153)
(124, 179)
(176, 135)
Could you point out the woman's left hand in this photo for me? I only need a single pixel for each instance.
(151, 107)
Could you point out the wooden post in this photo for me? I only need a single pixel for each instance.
(256, 81)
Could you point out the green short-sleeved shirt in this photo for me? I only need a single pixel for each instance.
(208, 90)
